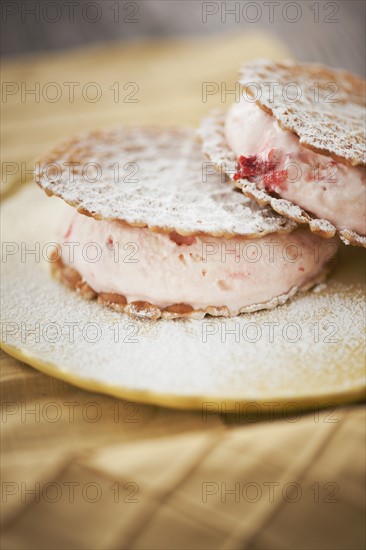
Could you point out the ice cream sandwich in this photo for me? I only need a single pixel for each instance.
(153, 231)
(296, 142)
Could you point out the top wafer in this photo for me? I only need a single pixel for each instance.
(155, 178)
(323, 106)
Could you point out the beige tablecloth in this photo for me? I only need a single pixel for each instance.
(82, 470)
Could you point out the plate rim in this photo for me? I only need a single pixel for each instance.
(184, 402)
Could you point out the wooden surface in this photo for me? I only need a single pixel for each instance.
(298, 481)
(155, 83)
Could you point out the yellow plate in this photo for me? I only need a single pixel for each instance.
(308, 353)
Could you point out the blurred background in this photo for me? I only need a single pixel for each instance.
(331, 32)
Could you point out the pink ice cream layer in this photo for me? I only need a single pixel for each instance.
(321, 186)
(202, 271)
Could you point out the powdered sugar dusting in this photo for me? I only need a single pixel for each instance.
(328, 113)
(237, 358)
(152, 177)
(316, 348)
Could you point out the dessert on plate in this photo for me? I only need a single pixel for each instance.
(296, 141)
(153, 231)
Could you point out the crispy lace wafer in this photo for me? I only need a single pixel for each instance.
(323, 106)
(216, 148)
(145, 310)
(155, 178)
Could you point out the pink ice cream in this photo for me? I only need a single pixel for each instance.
(202, 271)
(319, 185)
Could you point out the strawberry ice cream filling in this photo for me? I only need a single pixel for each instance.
(274, 159)
(201, 271)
